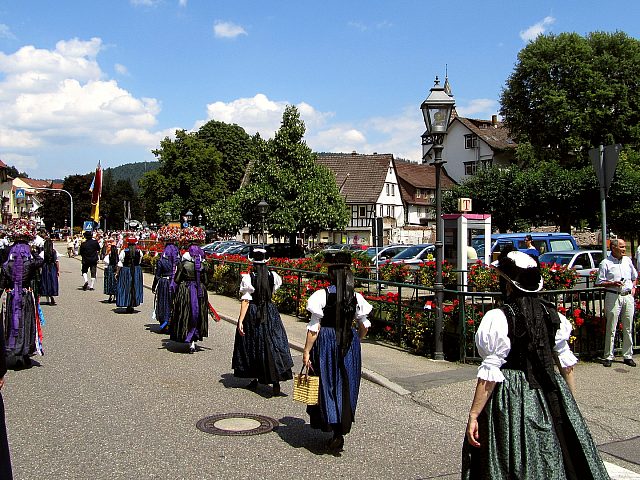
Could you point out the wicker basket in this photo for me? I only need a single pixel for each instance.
(306, 387)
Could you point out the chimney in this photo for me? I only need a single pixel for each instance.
(494, 121)
(354, 152)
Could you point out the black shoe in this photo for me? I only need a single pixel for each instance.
(253, 385)
(92, 289)
(129, 309)
(630, 362)
(606, 363)
(109, 300)
(276, 389)
(86, 284)
(337, 443)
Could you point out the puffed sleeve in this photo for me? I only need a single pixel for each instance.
(363, 309)
(492, 340)
(277, 281)
(246, 289)
(121, 259)
(565, 355)
(315, 305)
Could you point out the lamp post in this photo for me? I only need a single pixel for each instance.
(263, 206)
(199, 219)
(70, 200)
(436, 110)
(188, 216)
(167, 217)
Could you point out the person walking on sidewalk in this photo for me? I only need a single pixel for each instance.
(50, 272)
(618, 276)
(189, 316)
(89, 250)
(110, 285)
(261, 347)
(129, 291)
(332, 348)
(524, 421)
(164, 285)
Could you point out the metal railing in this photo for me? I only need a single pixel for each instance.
(402, 314)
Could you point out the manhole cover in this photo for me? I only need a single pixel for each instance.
(236, 424)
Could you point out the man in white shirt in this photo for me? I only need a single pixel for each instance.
(618, 275)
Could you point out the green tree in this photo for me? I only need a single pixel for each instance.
(236, 147)
(78, 187)
(302, 195)
(569, 93)
(189, 178)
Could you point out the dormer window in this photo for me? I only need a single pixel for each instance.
(470, 141)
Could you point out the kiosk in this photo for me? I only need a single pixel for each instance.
(459, 229)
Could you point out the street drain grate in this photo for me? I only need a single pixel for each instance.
(242, 424)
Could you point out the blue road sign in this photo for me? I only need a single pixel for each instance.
(20, 193)
(88, 226)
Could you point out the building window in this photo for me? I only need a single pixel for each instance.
(381, 211)
(470, 168)
(390, 211)
(418, 193)
(393, 190)
(470, 141)
(387, 187)
(363, 211)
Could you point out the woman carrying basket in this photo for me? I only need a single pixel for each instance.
(332, 348)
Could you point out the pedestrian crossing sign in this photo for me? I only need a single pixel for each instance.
(20, 194)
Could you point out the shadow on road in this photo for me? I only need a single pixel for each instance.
(298, 434)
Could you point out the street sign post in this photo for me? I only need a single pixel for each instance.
(604, 161)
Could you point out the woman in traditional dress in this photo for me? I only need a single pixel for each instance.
(110, 260)
(164, 285)
(261, 348)
(5, 458)
(524, 421)
(332, 348)
(189, 316)
(50, 272)
(19, 306)
(130, 289)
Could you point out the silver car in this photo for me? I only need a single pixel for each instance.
(582, 261)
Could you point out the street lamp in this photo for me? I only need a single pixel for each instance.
(167, 216)
(188, 216)
(436, 110)
(263, 206)
(199, 219)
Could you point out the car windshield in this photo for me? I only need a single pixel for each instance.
(371, 251)
(410, 252)
(560, 259)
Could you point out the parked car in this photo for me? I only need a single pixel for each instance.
(336, 247)
(415, 254)
(582, 261)
(544, 242)
(225, 246)
(382, 254)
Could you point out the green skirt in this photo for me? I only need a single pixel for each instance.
(518, 439)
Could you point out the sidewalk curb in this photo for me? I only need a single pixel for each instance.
(366, 373)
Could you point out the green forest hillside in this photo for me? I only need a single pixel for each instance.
(131, 171)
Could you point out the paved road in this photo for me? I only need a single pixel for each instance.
(112, 399)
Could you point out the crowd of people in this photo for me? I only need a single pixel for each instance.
(520, 342)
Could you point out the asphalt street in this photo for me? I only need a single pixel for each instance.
(114, 399)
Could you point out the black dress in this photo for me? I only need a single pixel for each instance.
(189, 316)
(5, 459)
(263, 352)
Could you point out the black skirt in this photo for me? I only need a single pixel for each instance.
(183, 327)
(263, 352)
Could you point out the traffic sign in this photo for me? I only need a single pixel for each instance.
(88, 226)
(20, 195)
(605, 167)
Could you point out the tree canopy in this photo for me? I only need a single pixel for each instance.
(196, 170)
(302, 194)
(569, 93)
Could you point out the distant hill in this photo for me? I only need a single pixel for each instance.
(131, 171)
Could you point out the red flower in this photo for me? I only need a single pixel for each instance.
(576, 313)
(562, 310)
(579, 321)
(387, 328)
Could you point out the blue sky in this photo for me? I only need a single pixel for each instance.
(89, 80)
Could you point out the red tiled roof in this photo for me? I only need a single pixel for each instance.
(2, 164)
(496, 136)
(359, 177)
(32, 182)
(412, 176)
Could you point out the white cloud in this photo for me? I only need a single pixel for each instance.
(227, 30)
(24, 163)
(145, 3)
(478, 108)
(5, 32)
(363, 27)
(61, 96)
(259, 114)
(121, 69)
(182, 3)
(539, 28)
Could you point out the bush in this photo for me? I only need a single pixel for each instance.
(483, 278)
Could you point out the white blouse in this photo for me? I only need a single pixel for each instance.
(246, 289)
(318, 300)
(492, 340)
